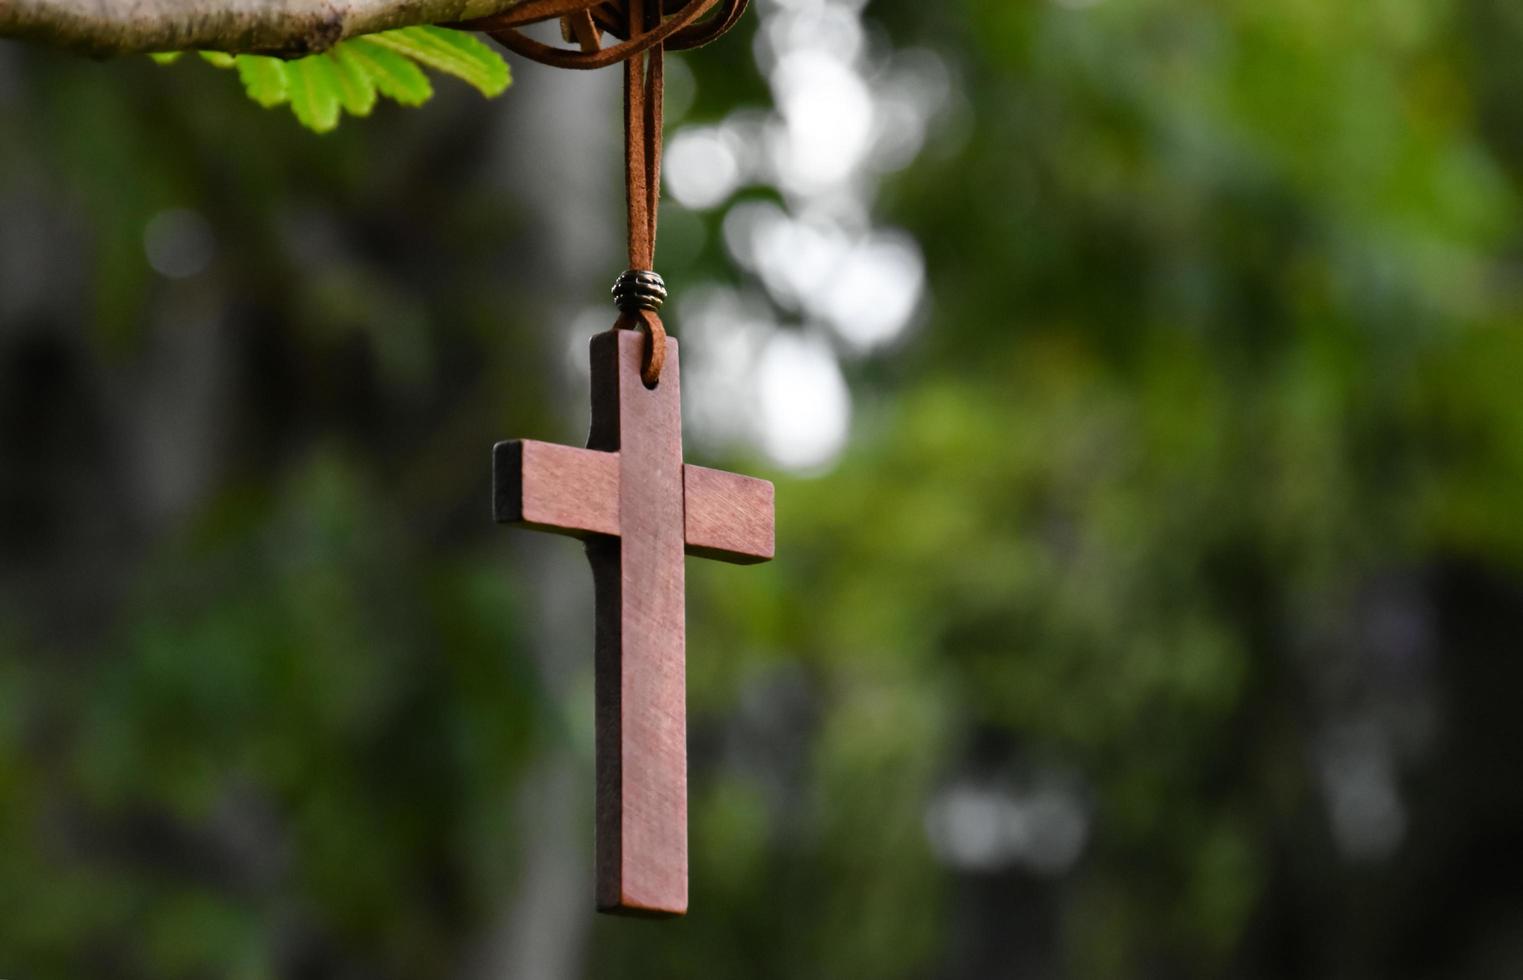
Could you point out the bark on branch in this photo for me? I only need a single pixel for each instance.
(112, 27)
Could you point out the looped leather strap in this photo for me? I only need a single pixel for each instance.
(583, 21)
(655, 336)
(645, 31)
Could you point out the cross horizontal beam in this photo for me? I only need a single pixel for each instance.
(572, 491)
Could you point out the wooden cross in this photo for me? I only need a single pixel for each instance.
(639, 508)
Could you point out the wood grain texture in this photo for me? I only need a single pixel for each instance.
(560, 489)
(639, 509)
(571, 491)
(641, 666)
(728, 517)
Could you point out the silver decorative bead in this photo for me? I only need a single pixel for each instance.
(639, 289)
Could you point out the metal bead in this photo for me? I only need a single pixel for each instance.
(639, 289)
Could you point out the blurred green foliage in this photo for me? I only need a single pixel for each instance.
(1220, 372)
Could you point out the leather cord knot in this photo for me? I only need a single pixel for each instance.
(644, 30)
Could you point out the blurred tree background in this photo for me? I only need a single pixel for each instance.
(1143, 383)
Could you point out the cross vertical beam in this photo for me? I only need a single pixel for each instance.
(641, 637)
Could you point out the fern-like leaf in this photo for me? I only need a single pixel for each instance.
(314, 93)
(451, 52)
(264, 79)
(395, 77)
(356, 89)
(348, 77)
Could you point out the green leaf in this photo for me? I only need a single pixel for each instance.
(314, 92)
(166, 57)
(350, 75)
(452, 52)
(356, 88)
(264, 79)
(395, 77)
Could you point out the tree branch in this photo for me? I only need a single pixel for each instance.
(112, 27)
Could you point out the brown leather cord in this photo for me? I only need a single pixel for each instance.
(644, 77)
(645, 29)
(678, 32)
